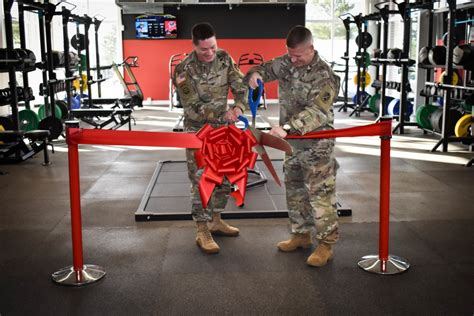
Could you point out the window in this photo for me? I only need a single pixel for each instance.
(322, 18)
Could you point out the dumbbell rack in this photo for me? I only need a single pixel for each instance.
(19, 145)
(445, 136)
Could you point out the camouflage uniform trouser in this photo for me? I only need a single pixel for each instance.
(310, 180)
(219, 197)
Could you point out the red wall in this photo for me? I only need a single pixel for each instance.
(154, 55)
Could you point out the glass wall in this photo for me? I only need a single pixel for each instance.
(110, 40)
(322, 18)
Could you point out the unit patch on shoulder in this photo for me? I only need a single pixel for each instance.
(325, 97)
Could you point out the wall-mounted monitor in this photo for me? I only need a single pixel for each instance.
(155, 26)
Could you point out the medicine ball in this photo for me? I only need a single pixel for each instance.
(437, 55)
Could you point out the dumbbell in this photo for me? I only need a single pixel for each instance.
(21, 59)
(396, 54)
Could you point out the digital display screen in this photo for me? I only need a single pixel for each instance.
(156, 26)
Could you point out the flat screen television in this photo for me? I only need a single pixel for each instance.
(155, 26)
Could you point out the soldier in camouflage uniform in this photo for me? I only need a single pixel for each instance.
(307, 89)
(203, 80)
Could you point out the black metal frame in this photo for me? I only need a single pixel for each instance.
(445, 137)
(346, 102)
(15, 147)
(361, 68)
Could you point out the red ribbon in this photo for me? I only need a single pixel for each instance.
(383, 128)
(225, 152)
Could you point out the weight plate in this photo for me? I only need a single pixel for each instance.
(28, 120)
(76, 83)
(6, 122)
(443, 79)
(374, 103)
(78, 41)
(423, 114)
(364, 75)
(364, 40)
(393, 108)
(364, 97)
(436, 120)
(463, 126)
(53, 125)
(423, 55)
(437, 55)
(42, 112)
(64, 110)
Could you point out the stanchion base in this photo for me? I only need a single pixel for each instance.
(394, 264)
(89, 274)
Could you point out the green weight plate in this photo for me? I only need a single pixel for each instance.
(64, 110)
(42, 112)
(28, 120)
(423, 114)
(373, 106)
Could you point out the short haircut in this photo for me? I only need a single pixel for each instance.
(202, 31)
(298, 35)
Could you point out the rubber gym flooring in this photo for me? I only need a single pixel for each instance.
(155, 268)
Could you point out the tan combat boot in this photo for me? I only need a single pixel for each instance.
(219, 227)
(296, 241)
(204, 239)
(321, 255)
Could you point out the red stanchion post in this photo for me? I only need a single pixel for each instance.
(78, 274)
(384, 209)
(383, 263)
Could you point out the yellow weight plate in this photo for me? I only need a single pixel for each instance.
(463, 125)
(365, 75)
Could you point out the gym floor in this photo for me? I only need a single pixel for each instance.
(156, 268)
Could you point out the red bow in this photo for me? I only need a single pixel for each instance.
(226, 151)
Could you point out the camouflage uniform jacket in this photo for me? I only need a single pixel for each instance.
(306, 94)
(203, 89)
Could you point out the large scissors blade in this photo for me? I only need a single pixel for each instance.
(275, 142)
(263, 153)
(268, 163)
(266, 139)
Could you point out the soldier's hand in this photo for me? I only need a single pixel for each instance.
(278, 131)
(237, 111)
(230, 116)
(253, 80)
